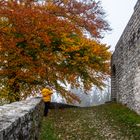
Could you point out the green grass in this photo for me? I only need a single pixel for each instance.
(47, 132)
(125, 118)
(109, 121)
(122, 114)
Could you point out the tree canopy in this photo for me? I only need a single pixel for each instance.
(51, 43)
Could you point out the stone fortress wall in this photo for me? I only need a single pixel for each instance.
(125, 64)
(21, 120)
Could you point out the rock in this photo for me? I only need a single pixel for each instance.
(138, 125)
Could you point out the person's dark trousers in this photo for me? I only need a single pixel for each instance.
(47, 105)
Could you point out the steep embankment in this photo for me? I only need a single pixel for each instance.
(105, 122)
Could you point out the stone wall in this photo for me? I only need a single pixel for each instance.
(125, 64)
(21, 120)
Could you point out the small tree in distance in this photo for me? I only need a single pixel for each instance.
(45, 43)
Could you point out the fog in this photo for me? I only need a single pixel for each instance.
(94, 97)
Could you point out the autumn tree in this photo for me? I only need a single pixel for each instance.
(52, 43)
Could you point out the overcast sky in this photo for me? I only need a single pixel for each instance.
(118, 14)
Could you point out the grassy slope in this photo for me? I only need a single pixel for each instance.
(105, 122)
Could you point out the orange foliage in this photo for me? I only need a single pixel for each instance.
(44, 43)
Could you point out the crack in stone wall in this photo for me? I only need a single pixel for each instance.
(125, 81)
(21, 120)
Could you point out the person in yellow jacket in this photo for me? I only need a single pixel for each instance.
(46, 93)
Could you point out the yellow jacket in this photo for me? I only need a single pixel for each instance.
(46, 93)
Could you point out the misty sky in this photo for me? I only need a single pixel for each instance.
(118, 14)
